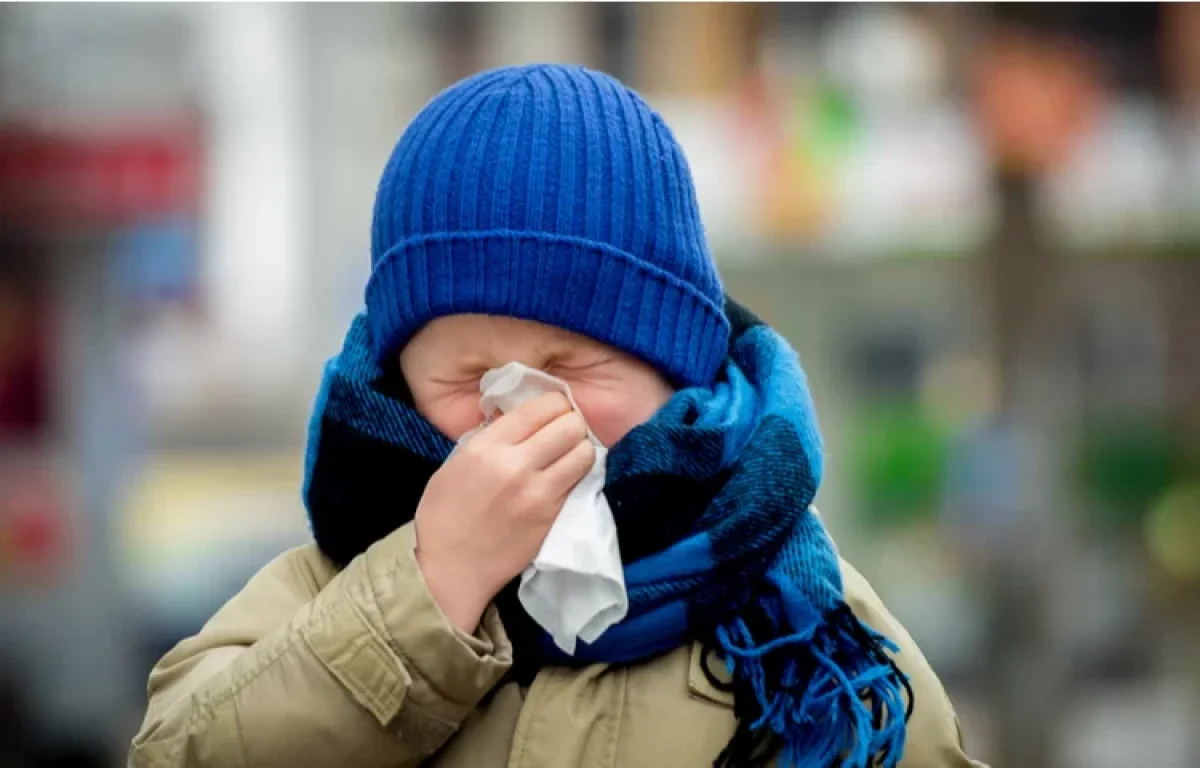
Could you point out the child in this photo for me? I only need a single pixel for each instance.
(545, 215)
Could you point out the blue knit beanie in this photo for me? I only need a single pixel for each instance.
(549, 193)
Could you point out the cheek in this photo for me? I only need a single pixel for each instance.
(454, 414)
(612, 414)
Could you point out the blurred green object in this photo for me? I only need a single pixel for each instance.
(1125, 465)
(1173, 531)
(826, 124)
(898, 460)
(836, 121)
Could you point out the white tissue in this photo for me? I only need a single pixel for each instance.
(575, 587)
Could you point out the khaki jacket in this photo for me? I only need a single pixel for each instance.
(309, 666)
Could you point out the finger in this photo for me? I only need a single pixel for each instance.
(520, 423)
(553, 441)
(563, 475)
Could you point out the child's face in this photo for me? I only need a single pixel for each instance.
(445, 360)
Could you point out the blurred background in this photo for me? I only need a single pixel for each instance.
(979, 225)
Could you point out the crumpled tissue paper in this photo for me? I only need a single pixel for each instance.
(575, 586)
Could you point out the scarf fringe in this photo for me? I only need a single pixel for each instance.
(812, 696)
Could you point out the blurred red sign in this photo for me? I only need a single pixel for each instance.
(35, 526)
(101, 179)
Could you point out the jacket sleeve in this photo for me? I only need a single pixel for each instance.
(310, 667)
(934, 737)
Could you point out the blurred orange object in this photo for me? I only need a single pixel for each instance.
(799, 203)
(1034, 98)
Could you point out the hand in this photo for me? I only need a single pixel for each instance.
(486, 511)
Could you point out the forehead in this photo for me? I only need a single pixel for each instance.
(482, 334)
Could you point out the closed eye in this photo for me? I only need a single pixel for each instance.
(466, 381)
(589, 365)
(580, 368)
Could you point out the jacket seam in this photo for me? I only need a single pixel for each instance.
(241, 739)
(358, 610)
(207, 704)
(387, 641)
(390, 572)
(204, 706)
(524, 725)
(616, 737)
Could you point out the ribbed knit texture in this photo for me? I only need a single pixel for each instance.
(550, 193)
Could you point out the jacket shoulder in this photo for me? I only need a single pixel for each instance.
(280, 587)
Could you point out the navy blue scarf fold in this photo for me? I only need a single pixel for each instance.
(712, 503)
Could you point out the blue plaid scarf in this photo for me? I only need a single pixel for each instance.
(712, 503)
